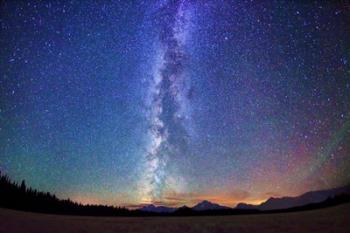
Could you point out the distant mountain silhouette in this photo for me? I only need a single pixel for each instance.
(20, 197)
(184, 210)
(201, 206)
(207, 205)
(245, 206)
(157, 209)
(289, 202)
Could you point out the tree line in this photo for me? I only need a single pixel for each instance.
(20, 197)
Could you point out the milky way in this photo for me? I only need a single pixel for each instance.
(167, 98)
(172, 102)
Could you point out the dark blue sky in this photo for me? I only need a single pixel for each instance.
(171, 102)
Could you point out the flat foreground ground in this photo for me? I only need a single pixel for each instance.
(334, 219)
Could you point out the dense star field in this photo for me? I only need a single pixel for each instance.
(172, 102)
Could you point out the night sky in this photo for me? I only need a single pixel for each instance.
(173, 102)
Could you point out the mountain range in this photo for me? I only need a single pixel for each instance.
(207, 205)
(304, 199)
(157, 209)
(201, 206)
(271, 204)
